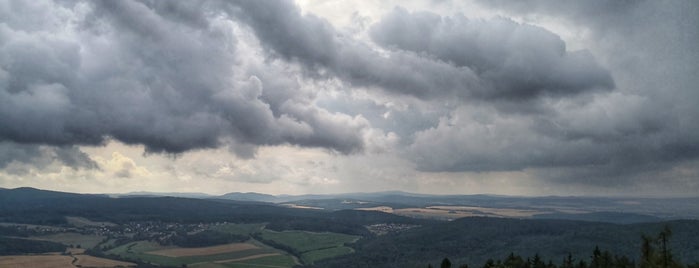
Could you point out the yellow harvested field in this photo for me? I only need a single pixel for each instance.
(300, 206)
(90, 261)
(433, 213)
(455, 212)
(248, 257)
(385, 209)
(36, 261)
(182, 252)
(75, 251)
(504, 212)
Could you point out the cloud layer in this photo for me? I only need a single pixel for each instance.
(434, 93)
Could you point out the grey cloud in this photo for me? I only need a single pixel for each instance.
(314, 43)
(161, 74)
(482, 140)
(514, 61)
(496, 60)
(641, 133)
(607, 14)
(42, 156)
(651, 49)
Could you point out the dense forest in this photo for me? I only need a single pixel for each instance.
(655, 252)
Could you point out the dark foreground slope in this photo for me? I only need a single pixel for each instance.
(472, 241)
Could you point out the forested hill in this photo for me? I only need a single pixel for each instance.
(33, 206)
(474, 240)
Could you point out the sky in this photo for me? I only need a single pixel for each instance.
(531, 98)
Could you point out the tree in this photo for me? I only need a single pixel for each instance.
(647, 252)
(537, 262)
(515, 261)
(568, 262)
(663, 238)
(445, 263)
(651, 258)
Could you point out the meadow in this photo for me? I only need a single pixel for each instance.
(312, 246)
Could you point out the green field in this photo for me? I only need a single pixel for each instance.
(316, 255)
(238, 228)
(312, 246)
(75, 239)
(138, 251)
(270, 261)
(82, 222)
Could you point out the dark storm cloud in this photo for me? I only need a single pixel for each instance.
(496, 59)
(645, 130)
(41, 156)
(161, 74)
(478, 95)
(514, 61)
(314, 43)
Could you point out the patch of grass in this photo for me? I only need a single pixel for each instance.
(307, 241)
(208, 265)
(270, 261)
(82, 222)
(223, 256)
(139, 251)
(75, 239)
(238, 228)
(321, 254)
(135, 247)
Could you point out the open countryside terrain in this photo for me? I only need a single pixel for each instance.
(150, 252)
(72, 239)
(59, 261)
(185, 252)
(172, 232)
(311, 246)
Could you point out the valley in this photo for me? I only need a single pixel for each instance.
(55, 229)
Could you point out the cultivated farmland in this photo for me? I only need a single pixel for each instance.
(59, 261)
(310, 246)
(36, 261)
(198, 257)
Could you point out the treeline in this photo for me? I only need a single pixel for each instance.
(204, 239)
(12, 246)
(474, 240)
(655, 252)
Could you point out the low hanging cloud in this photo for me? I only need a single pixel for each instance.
(42, 156)
(430, 56)
(161, 74)
(513, 61)
(642, 131)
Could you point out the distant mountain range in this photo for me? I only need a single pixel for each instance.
(601, 209)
